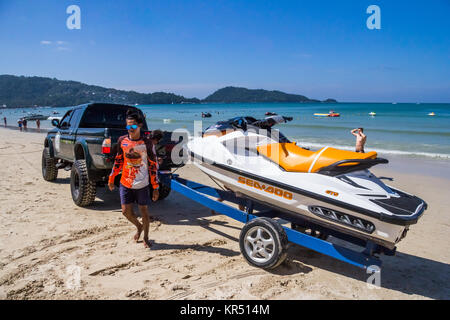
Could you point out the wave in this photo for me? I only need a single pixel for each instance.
(380, 151)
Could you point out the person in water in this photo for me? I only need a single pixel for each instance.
(137, 161)
(360, 139)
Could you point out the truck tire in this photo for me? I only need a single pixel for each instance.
(83, 190)
(49, 170)
(164, 191)
(263, 243)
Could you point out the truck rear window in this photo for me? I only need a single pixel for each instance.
(106, 116)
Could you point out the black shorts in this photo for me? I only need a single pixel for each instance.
(139, 196)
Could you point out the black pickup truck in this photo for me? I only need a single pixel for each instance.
(85, 142)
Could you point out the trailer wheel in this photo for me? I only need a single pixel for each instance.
(83, 190)
(263, 243)
(49, 170)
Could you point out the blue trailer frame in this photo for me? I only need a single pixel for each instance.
(199, 193)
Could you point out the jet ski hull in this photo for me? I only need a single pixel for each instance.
(310, 207)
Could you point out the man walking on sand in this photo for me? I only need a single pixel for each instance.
(360, 139)
(136, 160)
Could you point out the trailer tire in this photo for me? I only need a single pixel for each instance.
(83, 190)
(263, 243)
(49, 170)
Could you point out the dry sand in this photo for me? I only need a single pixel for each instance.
(195, 255)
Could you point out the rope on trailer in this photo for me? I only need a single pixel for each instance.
(216, 182)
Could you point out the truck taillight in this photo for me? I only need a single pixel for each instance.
(106, 146)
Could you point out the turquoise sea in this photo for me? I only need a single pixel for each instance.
(397, 129)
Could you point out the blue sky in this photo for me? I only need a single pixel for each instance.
(319, 49)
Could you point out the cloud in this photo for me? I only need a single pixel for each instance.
(60, 45)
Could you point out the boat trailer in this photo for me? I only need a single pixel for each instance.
(263, 240)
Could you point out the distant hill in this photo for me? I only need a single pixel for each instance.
(235, 94)
(30, 91)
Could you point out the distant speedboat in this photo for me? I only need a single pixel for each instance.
(331, 114)
(372, 114)
(53, 118)
(432, 114)
(33, 117)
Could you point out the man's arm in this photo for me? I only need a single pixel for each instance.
(118, 163)
(353, 132)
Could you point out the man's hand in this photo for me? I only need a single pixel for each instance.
(155, 195)
(111, 186)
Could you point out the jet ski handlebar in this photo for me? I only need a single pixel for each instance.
(350, 165)
(269, 122)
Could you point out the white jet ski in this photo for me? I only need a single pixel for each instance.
(329, 188)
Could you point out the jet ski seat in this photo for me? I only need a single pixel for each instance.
(293, 158)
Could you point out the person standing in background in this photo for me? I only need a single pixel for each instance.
(19, 122)
(38, 124)
(4, 119)
(24, 122)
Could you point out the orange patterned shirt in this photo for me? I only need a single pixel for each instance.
(137, 161)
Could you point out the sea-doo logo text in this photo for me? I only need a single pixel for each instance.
(332, 193)
(267, 188)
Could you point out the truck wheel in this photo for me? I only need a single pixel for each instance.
(164, 191)
(263, 243)
(83, 190)
(49, 170)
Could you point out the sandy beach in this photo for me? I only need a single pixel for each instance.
(44, 237)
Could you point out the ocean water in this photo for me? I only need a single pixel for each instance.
(397, 129)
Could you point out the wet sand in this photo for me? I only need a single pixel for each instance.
(45, 240)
